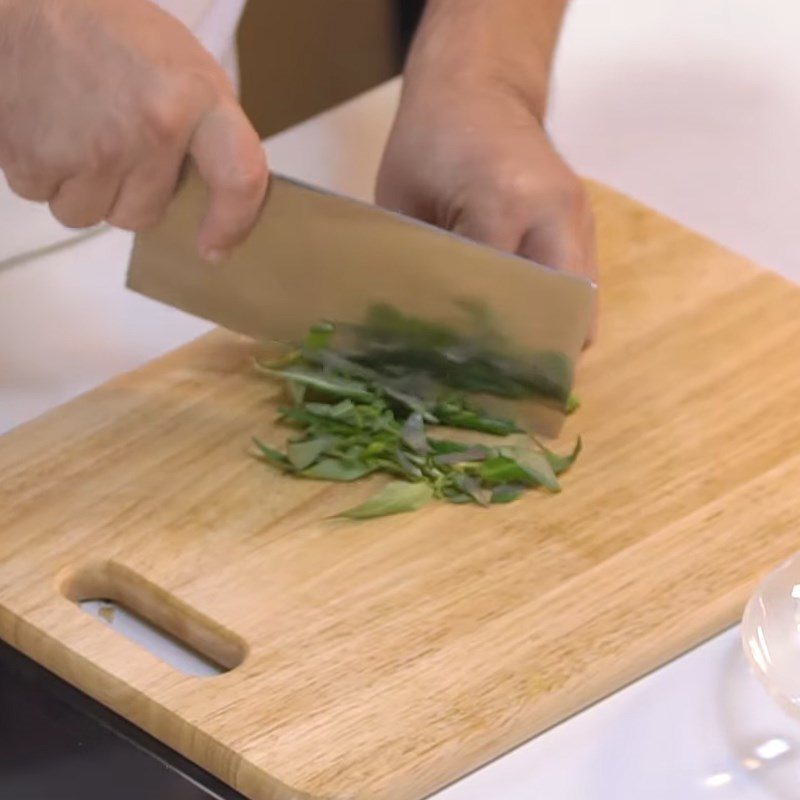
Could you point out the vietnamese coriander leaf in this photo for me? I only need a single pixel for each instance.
(327, 384)
(457, 497)
(503, 469)
(445, 446)
(333, 469)
(472, 486)
(414, 434)
(459, 415)
(297, 391)
(319, 336)
(561, 464)
(536, 464)
(373, 409)
(397, 497)
(477, 452)
(405, 463)
(573, 404)
(303, 454)
(506, 492)
(271, 455)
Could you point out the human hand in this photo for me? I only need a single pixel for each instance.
(476, 160)
(101, 101)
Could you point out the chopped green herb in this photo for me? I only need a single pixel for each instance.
(303, 454)
(506, 492)
(318, 336)
(372, 410)
(333, 469)
(397, 497)
(273, 456)
(414, 434)
(573, 404)
(562, 463)
(537, 465)
(330, 385)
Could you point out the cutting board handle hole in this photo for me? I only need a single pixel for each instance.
(152, 618)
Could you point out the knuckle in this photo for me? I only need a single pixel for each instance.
(246, 180)
(71, 217)
(171, 108)
(514, 186)
(198, 87)
(561, 191)
(509, 194)
(166, 119)
(107, 150)
(29, 187)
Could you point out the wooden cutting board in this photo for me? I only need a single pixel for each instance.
(383, 659)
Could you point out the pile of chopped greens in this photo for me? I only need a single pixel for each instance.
(372, 408)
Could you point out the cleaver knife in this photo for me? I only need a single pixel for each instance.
(316, 256)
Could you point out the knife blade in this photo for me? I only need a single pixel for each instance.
(316, 256)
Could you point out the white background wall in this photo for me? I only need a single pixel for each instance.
(692, 106)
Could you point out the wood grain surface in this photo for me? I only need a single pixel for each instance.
(384, 659)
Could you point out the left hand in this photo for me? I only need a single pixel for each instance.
(478, 162)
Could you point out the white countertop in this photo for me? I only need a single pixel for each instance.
(690, 105)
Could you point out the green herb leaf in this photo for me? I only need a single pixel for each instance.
(536, 464)
(573, 404)
(539, 467)
(506, 493)
(397, 497)
(477, 452)
(297, 391)
(388, 466)
(370, 407)
(443, 446)
(336, 362)
(342, 412)
(457, 497)
(414, 434)
(284, 360)
(319, 336)
(502, 469)
(561, 464)
(333, 469)
(470, 485)
(304, 454)
(407, 465)
(273, 456)
(414, 404)
(474, 419)
(327, 384)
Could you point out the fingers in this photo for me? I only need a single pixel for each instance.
(85, 200)
(552, 225)
(566, 243)
(486, 228)
(133, 202)
(145, 193)
(231, 160)
(39, 188)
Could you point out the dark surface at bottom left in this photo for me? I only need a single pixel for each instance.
(58, 744)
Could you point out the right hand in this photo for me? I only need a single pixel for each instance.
(477, 161)
(100, 103)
